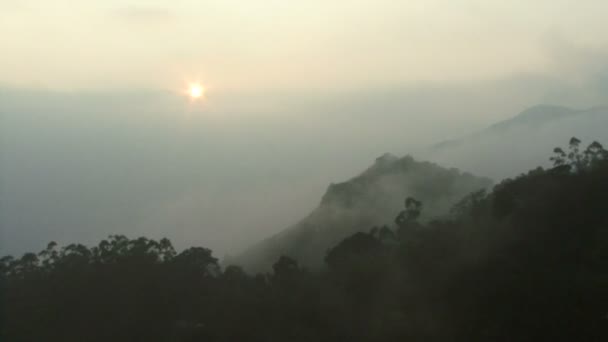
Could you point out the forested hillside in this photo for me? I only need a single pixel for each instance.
(359, 203)
(526, 261)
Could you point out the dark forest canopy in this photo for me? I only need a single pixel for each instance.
(527, 261)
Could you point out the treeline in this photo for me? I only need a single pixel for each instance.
(527, 261)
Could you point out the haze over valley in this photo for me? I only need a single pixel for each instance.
(261, 171)
(81, 166)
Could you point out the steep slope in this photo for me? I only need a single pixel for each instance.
(372, 198)
(508, 147)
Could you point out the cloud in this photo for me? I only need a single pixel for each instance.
(583, 65)
(144, 15)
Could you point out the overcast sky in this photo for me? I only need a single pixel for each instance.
(251, 45)
(97, 135)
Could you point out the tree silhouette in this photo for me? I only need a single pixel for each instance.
(526, 261)
(577, 161)
(412, 211)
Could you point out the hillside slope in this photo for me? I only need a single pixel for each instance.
(360, 203)
(508, 147)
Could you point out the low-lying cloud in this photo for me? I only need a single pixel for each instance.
(79, 166)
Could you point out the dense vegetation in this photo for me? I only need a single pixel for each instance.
(527, 261)
(362, 202)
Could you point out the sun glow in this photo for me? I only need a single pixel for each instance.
(196, 90)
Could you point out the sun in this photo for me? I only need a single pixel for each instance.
(196, 90)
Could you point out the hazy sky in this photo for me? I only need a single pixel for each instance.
(318, 44)
(98, 137)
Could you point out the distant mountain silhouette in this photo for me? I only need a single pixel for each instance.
(511, 146)
(361, 203)
(532, 117)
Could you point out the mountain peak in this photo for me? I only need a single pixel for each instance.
(537, 115)
(386, 158)
(522, 141)
(369, 199)
(531, 117)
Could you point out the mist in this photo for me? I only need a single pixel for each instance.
(347, 170)
(78, 166)
(97, 136)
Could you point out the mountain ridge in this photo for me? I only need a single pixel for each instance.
(534, 116)
(369, 199)
(506, 148)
